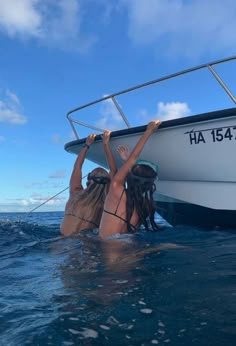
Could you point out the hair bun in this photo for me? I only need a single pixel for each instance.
(100, 180)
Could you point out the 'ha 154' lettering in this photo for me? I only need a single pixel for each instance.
(216, 135)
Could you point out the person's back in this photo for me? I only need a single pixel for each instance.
(72, 223)
(122, 212)
(115, 207)
(84, 207)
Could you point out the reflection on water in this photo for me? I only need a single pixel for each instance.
(131, 290)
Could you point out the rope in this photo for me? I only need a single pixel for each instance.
(50, 198)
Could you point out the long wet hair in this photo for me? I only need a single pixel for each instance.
(139, 192)
(92, 198)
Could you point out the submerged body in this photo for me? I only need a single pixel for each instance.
(62, 290)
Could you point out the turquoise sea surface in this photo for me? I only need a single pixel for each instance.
(138, 289)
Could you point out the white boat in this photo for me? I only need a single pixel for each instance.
(195, 155)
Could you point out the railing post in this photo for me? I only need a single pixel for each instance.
(73, 129)
(220, 81)
(121, 112)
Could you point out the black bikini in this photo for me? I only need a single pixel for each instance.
(119, 217)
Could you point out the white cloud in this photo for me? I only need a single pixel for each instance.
(52, 22)
(10, 109)
(58, 186)
(13, 97)
(188, 28)
(110, 117)
(112, 120)
(37, 199)
(58, 174)
(57, 139)
(24, 202)
(41, 185)
(20, 17)
(166, 111)
(174, 27)
(64, 28)
(34, 201)
(172, 110)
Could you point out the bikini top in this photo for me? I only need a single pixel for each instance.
(119, 217)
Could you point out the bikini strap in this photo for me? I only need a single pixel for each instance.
(133, 228)
(119, 201)
(83, 219)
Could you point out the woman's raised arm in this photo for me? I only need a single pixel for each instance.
(76, 176)
(109, 155)
(121, 175)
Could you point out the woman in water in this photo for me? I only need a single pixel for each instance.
(84, 207)
(126, 208)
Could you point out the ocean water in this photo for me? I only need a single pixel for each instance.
(138, 289)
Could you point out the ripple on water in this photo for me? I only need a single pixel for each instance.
(81, 291)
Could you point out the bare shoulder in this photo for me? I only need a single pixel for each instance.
(114, 196)
(116, 188)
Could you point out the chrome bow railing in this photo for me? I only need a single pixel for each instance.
(112, 97)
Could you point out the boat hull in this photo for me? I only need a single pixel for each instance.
(180, 213)
(196, 160)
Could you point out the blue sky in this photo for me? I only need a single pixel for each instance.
(56, 55)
